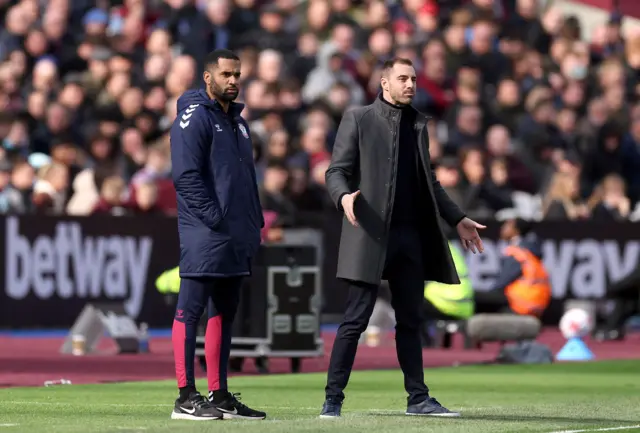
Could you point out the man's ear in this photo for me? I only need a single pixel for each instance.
(384, 83)
(206, 76)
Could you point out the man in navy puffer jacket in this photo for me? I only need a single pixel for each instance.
(219, 222)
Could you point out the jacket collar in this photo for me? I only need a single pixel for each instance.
(385, 109)
(235, 108)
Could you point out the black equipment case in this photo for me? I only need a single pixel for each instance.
(279, 311)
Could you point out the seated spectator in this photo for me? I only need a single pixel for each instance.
(273, 194)
(145, 201)
(16, 195)
(95, 88)
(500, 146)
(609, 201)
(157, 166)
(112, 197)
(604, 157)
(49, 190)
(448, 174)
(562, 201)
(484, 197)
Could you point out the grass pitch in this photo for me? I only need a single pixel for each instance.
(575, 398)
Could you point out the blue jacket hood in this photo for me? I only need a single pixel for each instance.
(199, 96)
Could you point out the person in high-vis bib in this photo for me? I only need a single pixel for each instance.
(451, 301)
(523, 285)
(168, 283)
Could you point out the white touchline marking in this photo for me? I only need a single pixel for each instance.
(73, 403)
(8, 425)
(622, 427)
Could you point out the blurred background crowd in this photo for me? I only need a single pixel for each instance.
(532, 115)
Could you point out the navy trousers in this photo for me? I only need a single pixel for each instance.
(220, 296)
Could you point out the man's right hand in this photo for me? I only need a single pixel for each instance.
(347, 206)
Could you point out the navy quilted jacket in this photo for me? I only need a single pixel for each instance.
(219, 212)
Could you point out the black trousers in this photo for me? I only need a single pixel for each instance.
(404, 271)
(626, 296)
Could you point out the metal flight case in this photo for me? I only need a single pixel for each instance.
(279, 311)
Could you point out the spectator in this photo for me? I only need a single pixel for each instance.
(609, 202)
(562, 201)
(500, 147)
(111, 197)
(273, 194)
(145, 200)
(604, 156)
(486, 192)
(49, 190)
(530, 101)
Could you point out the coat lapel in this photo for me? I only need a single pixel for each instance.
(423, 146)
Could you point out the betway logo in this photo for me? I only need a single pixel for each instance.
(72, 265)
(578, 269)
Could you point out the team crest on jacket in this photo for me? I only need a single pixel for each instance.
(243, 130)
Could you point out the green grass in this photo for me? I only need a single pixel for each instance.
(492, 399)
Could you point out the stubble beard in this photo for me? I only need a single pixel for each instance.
(219, 93)
(402, 99)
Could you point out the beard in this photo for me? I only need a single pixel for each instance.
(227, 94)
(401, 98)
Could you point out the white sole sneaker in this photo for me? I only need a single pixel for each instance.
(440, 415)
(189, 417)
(234, 416)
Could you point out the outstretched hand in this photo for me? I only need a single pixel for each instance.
(468, 232)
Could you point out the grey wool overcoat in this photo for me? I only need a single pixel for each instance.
(365, 158)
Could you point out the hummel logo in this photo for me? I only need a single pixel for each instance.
(190, 110)
(184, 124)
(194, 105)
(218, 128)
(186, 116)
(190, 411)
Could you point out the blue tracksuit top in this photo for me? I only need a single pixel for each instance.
(219, 212)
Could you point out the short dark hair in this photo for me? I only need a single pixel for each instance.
(389, 64)
(215, 55)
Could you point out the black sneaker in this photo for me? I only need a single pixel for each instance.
(195, 408)
(231, 408)
(331, 409)
(430, 407)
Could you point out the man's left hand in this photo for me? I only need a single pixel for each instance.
(468, 232)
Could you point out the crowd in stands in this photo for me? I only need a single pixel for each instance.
(532, 114)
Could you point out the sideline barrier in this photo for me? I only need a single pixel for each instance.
(53, 266)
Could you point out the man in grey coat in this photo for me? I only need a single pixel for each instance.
(381, 178)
